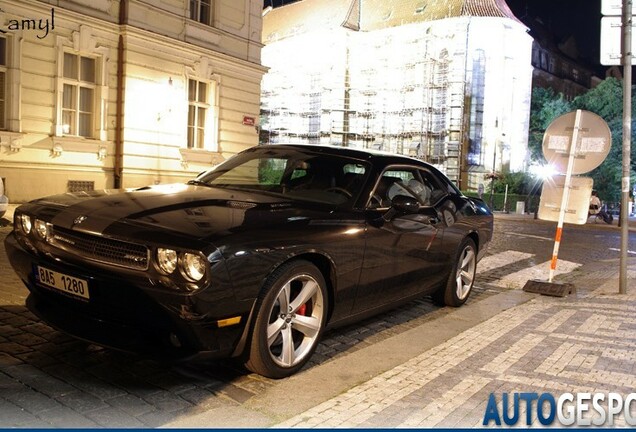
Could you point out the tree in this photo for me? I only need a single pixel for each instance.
(545, 106)
(519, 183)
(606, 101)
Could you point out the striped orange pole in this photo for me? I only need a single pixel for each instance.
(566, 194)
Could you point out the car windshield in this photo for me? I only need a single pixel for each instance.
(295, 174)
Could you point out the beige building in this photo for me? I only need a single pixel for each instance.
(447, 81)
(105, 93)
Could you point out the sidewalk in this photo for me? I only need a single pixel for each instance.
(581, 343)
(442, 373)
(8, 215)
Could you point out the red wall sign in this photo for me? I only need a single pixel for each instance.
(249, 121)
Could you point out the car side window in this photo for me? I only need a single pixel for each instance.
(392, 183)
(433, 189)
(412, 182)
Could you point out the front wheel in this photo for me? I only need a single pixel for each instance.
(292, 311)
(462, 277)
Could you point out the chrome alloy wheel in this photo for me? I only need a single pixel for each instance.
(465, 275)
(295, 320)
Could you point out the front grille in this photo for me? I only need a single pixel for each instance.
(101, 249)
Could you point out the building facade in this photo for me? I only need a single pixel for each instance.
(102, 93)
(558, 65)
(445, 81)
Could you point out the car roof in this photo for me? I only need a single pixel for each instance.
(386, 157)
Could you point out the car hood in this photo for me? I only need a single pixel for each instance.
(194, 211)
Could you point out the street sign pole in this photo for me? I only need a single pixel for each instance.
(566, 194)
(626, 51)
(574, 143)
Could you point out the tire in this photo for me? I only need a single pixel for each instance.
(462, 277)
(292, 339)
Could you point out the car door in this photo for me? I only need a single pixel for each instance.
(404, 253)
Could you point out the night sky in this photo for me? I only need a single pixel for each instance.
(580, 18)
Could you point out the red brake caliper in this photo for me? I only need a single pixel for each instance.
(302, 310)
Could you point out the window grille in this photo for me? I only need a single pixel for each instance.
(78, 95)
(201, 11)
(197, 111)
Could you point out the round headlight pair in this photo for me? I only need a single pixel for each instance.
(25, 223)
(41, 229)
(167, 260)
(192, 265)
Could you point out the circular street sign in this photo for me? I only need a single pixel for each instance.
(592, 146)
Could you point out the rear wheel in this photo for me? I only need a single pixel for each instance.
(292, 311)
(462, 277)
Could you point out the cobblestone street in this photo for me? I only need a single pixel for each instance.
(418, 365)
(581, 344)
(49, 379)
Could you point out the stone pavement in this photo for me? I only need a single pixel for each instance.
(416, 366)
(581, 343)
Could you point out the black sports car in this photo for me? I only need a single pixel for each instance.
(252, 259)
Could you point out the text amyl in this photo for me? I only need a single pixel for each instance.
(42, 25)
(580, 409)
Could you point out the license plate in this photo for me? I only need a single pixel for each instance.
(62, 282)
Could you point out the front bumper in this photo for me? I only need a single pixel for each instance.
(129, 313)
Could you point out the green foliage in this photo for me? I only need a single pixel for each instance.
(606, 100)
(270, 171)
(518, 183)
(503, 202)
(545, 106)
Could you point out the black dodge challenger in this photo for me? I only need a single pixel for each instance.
(253, 259)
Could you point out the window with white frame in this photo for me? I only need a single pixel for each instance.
(3, 83)
(201, 11)
(78, 95)
(198, 111)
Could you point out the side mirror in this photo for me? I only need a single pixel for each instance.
(405, 204)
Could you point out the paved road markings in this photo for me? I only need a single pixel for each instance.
(529, 236)
(554, 322)
(518, 279)
(514, 353)
(455, 398)
(501, 259)
(618, 250)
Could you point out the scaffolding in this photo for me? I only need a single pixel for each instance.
(407, 101)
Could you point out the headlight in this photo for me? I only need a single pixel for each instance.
(41, 229)
(192, 266)
(167, 260)
(25, 223)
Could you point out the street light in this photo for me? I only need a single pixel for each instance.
(541, 173)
